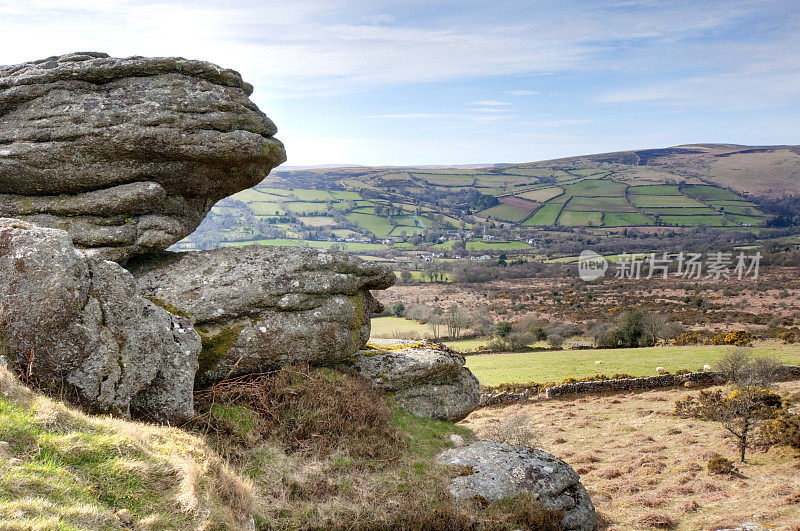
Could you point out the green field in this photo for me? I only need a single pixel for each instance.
(261, 208)
(654, 189)
(379, 226)
(541, 367)
(546, 215)
(596, 188)
(599, 204)
(664, 201)
(694, 221)
(399, 327)
(704, 192)
(625, 219)
(306, 207)
(542, 195)
(342, 246)
(496, 246)
(506, 213)
(580, 219)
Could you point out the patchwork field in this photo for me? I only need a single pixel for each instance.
(682, 187)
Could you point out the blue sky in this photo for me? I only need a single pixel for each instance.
(460, 82)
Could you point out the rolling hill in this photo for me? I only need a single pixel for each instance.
(722, 186)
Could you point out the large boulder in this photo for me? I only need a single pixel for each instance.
(258, 308)
(425, 378)
(77, 324)
(127, 155)
(501, 471)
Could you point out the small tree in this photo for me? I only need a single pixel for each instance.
(398, 309)
(502, 329)
(743, 409)
(405, 276)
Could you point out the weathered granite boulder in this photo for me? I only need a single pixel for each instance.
(258, 307)
(502, 471)
(77, 323)
(427, 379)
(127, 155)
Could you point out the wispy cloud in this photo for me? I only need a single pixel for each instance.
(494, 103)
(522, 92)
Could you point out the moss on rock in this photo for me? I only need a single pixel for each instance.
(215, 346)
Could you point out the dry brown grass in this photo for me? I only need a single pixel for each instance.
(650, 470)
(314, 411)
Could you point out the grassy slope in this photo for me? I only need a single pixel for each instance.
(74, 471)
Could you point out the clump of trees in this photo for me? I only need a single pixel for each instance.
(635, 329)
(746, 404)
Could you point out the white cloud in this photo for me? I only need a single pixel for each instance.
(522, 92)
(494, 103)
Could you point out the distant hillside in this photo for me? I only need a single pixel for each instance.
(721, 186)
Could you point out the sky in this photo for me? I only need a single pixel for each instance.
(409, 82)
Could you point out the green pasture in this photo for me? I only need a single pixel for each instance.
(506, 213)
(596, 188)
(342, 246)
(694, 221)
(646, 201)
(679, 211)
(260, 208)
(600, 204)
(399, 327)
(317, 221)
(377, 225)
(306, 207)
(580, 219)
(496, 246)
(555, 366)
(545, 215)
(345, 195)
(704, 192)
(654, 189)
(624, 219)
(542, 195)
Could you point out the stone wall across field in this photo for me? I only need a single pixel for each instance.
(695, 379)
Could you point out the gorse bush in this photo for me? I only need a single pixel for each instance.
(720, 465)
(784, 429)
(738, 338)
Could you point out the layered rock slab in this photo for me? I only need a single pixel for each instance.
(77, 323)
(427, 379)
(499, 470)
(259, 308)
(127, 155)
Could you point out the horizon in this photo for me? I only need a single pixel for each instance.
(446, 83)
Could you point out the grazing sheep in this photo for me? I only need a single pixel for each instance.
(706, 368)
(659, 370)
(598, 362)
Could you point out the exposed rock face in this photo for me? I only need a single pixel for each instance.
(502, 471)
(426, 379)
(127, 155)
(78, 322)
(260, 307)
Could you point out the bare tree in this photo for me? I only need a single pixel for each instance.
(456, 320)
